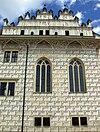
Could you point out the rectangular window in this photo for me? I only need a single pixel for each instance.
(47, 32)
(79, 121)
(83, 121)
(10, 56)
(46, 121)
(67, 33)
(14, 56)
(7, 88)
(42, 121)
(40, 32)
(3, 86)
(75, 121)
(7, 56)
(37, 121)
(22, 32)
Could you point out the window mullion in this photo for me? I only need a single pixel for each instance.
(10, 56)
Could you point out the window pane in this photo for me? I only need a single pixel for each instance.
(75, 121)
(37, 78)
(3, 88)
(43, 79)
(48, 78)
(46, 121)
(82, 88)
(14, 56)
(83, 121)
(11, 87)
(37, 121)
(76, 78)
(7, 56)
(71, 79)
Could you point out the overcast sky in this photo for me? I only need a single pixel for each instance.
(84, 9)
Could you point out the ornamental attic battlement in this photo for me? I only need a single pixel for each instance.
(46, 23)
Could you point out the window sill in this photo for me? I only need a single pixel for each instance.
(42, 92)
(77, 92)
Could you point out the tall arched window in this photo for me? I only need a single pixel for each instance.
(43, 76)
(77, 76)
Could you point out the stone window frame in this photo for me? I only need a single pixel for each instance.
(79, 119)
(50, 76)
(10, 50)
(42, 117)
(8, 81)
(84, 76)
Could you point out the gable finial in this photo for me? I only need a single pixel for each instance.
(44, 5)
(65, 5)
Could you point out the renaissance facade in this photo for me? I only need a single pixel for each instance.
(49, 74)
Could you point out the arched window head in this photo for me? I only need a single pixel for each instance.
(43, 75)
(77, 76)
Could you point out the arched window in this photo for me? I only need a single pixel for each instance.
(43, 76)
(77, 76)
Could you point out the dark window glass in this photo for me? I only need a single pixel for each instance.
(76, 78)
(47, 32)
(3, 88)
(37, 121)
(40, 32)
(7, 56)
(22, 32)
(83, 121)
(56, 33)
(81, 79)
(37, 78)
(14, 56)
(81, 34)
(67, 33)
(75, 121)
(48, 78)
(43, 79)
(46, 121)
(11, 87)
(32, 33)
(71, 79)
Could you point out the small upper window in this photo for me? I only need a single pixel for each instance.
(47, 32)
(67, 33)
(56, 33)
(22, 32)
(40, 32)
(32, 33)
(81, 34)
(7, 88)
(10, 56)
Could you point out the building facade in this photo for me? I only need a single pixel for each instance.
(52, 64)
